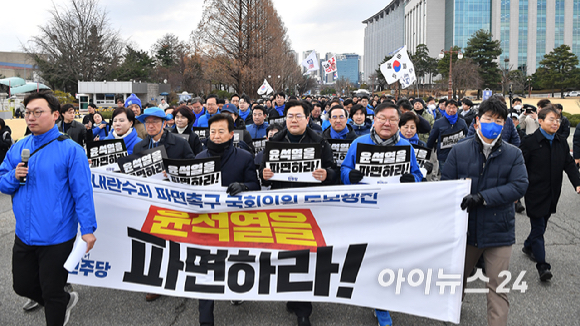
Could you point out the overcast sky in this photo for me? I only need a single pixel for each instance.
(325, 26)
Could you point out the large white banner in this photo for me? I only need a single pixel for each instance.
(364, 245)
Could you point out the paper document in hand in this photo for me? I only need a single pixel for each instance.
(77, 253)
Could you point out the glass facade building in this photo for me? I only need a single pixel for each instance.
(347, 65)
(467, 17)
(523, 35)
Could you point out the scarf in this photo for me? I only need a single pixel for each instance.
(244, 114)
(413, 140)
(338, 135)
(122, 136)
(181, 130)
(280, 109)
(218, 149)
(379, 141)
(549, 137)
(451, 118)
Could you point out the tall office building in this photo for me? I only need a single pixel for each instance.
(347, 65)
(527, 29)
(384, 33)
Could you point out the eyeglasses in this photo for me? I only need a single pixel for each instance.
(383, 119)
(154, 121)
(341, 117)
(551, 120)
(36, 114)
(298, 116)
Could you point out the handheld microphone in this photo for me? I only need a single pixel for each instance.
(25, 156)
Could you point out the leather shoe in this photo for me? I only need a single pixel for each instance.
(545, 274)
(303, 321)
(152, 297)
(529, 253)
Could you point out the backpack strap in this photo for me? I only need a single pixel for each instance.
(59, 138)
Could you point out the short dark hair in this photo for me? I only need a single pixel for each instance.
(493, 105)
(357, 107)
(348, 101)
(386, 105)
(222, 117)
(467, 102)
(281, 94)
(235, 95)
(149, 105)
(186, 112)
(443, 100)
(2, 123)
(364, 97)
(64, 108)
(406, 104)
(452, 102)
(94, 106)
(53, 103)
(99, 113)
(274, 126)
(547, 109)
(261, 108)
(306, 107)
(516, 100)
(430, 98)
(405, 117)
(558, 106)
(212, 96)
(120, 100)
(316, 103)
(337, 106)
(543, 103)
(128, 112)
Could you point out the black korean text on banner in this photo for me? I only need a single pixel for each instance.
(203, 133)
(449, 140)
(144, 164)
(259, 144)
(224, 266)
(339, 149)
(199, 172)
(293, 162)
(422, 154)
(104, 152)
(383, 164)
(280, 120)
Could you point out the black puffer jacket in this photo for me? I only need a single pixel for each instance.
(328, 163)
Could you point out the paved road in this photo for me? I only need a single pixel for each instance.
(554, 303)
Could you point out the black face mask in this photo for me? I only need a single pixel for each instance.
(217, 149)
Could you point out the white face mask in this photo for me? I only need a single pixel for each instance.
(431, 107)
(517, 107)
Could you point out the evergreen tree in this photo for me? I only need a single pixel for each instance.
(484, 50)
(558, 69)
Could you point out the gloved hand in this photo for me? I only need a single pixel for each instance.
(428, 166)
(355, 176)
(235, 188)
(407, 178)
(472, 201)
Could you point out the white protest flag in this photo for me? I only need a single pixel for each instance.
(329, 66)
(311, 62)
(369, 245)
(400, 68)
(265, 88)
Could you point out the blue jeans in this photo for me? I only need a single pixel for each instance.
(535, 241)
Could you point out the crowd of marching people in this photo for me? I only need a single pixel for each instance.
(509, 151)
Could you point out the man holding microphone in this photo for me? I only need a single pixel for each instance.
(52, 195)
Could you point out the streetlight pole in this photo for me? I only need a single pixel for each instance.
(450, 83)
